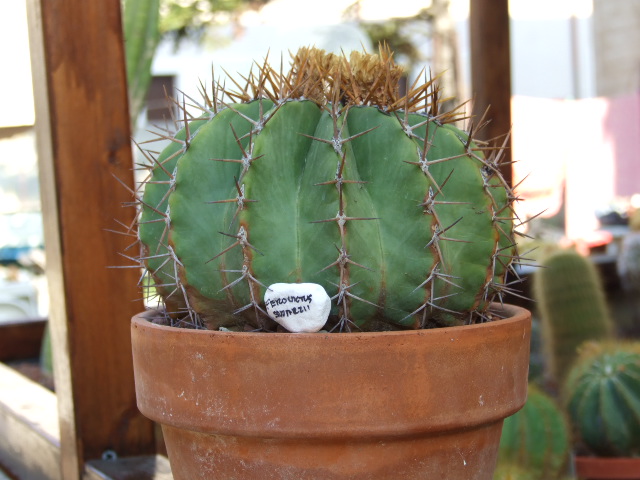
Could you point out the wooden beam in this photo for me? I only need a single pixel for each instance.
(30, 440)
(20, 339)
(83, 136)
(491, 71)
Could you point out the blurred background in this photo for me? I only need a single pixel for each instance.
(575, 103)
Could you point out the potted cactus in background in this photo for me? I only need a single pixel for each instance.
(596, 375)
(602, 398)
(320, 199)
(536, 440)
(573, 309)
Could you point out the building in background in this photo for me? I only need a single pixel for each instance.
(616, 43)
(575, 83)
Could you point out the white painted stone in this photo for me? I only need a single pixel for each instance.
(298, 307)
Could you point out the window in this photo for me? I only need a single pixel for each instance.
(159, 105)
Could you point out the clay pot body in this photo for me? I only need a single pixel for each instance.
(421, 404)
(602, 468)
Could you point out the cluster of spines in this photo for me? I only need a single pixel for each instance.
(429, 207)
(503, 257)
(343, 261)
(175, 298)
(280, 88)
(241, 238)
(169, 294)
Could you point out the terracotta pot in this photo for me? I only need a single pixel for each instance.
(425, 404)
(604, 468)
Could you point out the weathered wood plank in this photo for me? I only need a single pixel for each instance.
(21, 339)
(83, 142)
(30, 439)
(150, 467)
(491, 71)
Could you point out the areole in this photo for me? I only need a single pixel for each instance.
(375, 405)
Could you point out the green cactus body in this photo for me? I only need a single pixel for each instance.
(602, 397)
(537, 438)
(397, 213)
(572, 308)
(511, 471)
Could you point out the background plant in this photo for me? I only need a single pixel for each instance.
(602, 397)
(572, 306)
(537, 439)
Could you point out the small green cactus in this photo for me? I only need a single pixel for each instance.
(326, 174)
(572, 307)
(537, 438)
(602, 398)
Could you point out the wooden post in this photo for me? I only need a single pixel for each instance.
(83, 134)
(491, 71)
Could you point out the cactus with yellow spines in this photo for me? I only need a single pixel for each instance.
(325, 173)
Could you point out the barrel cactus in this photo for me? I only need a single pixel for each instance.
(602, 397)
(325, 173)
(536, 438)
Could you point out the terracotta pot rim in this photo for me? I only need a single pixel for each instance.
(372, 384)
(607, 468)
(513, 314)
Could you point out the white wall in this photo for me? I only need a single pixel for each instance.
(552, 53)
(542, 47)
